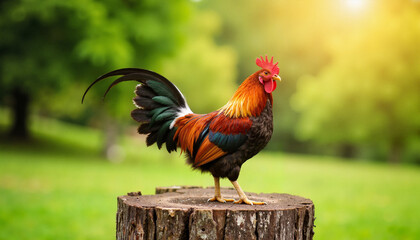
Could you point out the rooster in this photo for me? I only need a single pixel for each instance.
(218, 142)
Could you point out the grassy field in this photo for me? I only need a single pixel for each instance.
(59, 188)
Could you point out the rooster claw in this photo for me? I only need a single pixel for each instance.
(249, 202)
(220, 199)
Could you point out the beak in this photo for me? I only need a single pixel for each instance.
(277, 77)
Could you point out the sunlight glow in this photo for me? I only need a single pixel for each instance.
(355, 4)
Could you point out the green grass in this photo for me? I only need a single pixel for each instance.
(58, 187)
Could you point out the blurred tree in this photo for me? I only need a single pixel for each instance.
(205, 71)
(48, 45)
(369, 93)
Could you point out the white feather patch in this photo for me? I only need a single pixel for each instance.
(181, 112)
(135, 89)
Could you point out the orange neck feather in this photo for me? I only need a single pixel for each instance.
(249, 100)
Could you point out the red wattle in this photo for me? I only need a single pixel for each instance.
(269, 86)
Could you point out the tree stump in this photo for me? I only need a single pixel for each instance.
(184, 213)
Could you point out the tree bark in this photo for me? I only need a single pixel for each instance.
(20, 114)
(186, 214)
(347, 151)
(395, 153)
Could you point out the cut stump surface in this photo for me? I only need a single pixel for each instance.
(184, 213)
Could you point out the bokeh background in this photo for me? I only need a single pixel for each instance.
(346, 124)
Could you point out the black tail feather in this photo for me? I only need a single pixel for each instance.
(122, 71)
(163, 134)
(146, 128)
(145, 91)
(141, 76)
(170, 141)
(151, 138)
(146, 103)
(140, 115)
(128, 77)
(158, 102)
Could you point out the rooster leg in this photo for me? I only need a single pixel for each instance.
(217, 194)
(243, 197)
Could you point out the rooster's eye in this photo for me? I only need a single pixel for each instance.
(266, 73)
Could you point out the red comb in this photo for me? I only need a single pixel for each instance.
(268, 65)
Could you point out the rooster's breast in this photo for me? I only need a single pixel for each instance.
(260, 132)
(258, 136)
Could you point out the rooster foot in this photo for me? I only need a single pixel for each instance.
(249, 202)
(220, 199)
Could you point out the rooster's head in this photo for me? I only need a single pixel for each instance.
(268, 74)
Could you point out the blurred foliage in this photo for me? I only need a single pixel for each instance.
(368, 94)
(205, 71)
(61, 40)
